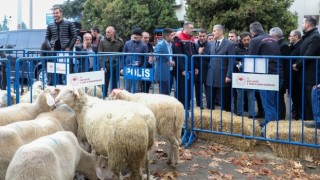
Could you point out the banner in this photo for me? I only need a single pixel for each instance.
(138, 73)
(86, 79)
(255, 81)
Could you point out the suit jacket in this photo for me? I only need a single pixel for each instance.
(220, 66)
(162, 67)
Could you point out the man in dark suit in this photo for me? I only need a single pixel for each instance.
(310, 68)
(164, 64)
(86, 64)
(220, 69)
(203, 64)
(296, 84)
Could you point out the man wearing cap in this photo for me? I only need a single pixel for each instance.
(135, 45)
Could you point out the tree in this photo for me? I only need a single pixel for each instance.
(235, 14)
(4, 26)
(23, 25)
(125, 15)
(72, 9)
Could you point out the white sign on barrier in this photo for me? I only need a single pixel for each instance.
(86, 79)
(255, 65)
(61, 68)
(255, 81)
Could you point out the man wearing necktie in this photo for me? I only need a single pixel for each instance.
(220, 70)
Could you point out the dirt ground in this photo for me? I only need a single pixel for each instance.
(207, 160)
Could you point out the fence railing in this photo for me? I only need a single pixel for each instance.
(212, 103)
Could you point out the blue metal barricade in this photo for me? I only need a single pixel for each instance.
(5, 77)
(262, 82)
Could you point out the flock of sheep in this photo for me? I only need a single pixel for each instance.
(65, 131)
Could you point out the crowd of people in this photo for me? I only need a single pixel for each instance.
(213, 76)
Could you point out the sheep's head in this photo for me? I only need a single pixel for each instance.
(116, 94)
(66, 95)
(102, 169)
(37, 85)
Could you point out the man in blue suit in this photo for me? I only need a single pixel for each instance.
(164, 64)
(220, 69)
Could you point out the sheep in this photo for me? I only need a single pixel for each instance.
(3, 98)
(94, 91)
(66, 117)
(54, 157)
(36, 91)
(169, 113)
(27, 111)
(117, 129)
(22, 132)
(14, 135)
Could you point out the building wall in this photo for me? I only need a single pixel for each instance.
(305, 7)
(180, 9)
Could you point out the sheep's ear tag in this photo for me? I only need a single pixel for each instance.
(50, 100)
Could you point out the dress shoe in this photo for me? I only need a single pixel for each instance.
(312, 124)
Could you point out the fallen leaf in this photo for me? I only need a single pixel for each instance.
(308, 158)
(272, 163)
(185, 155)
(227, 176)
(182, 174)
(217, 159)
(195, 165)
(258, 161)
(158, 151)
(214, 171)
(245, 170)
(203, 147)
(213, 164)
(170, 175)
(159, 174)
(312, 166)
(265, 171)
(297, 165)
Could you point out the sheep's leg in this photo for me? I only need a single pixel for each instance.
(147, 167)
(173, 151)
(136, 173)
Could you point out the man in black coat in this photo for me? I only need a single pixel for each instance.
(296, 84)
(277, 34)
(263, 44)
(310, 47)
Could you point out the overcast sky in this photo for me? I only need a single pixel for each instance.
(40, 9)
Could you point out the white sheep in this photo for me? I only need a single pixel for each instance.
(37, 88)
(14, 135)
(169, 113)
(66, 117)
(27, 111)
(115, 129)
(4, 100)
(54, 157)
(93, 91)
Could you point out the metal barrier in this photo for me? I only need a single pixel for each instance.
(253, 62)
(125, 67)
(5, 76)
(12, 55)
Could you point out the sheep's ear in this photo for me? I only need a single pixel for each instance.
(55, 92)
(75, 91)
(50, 100)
